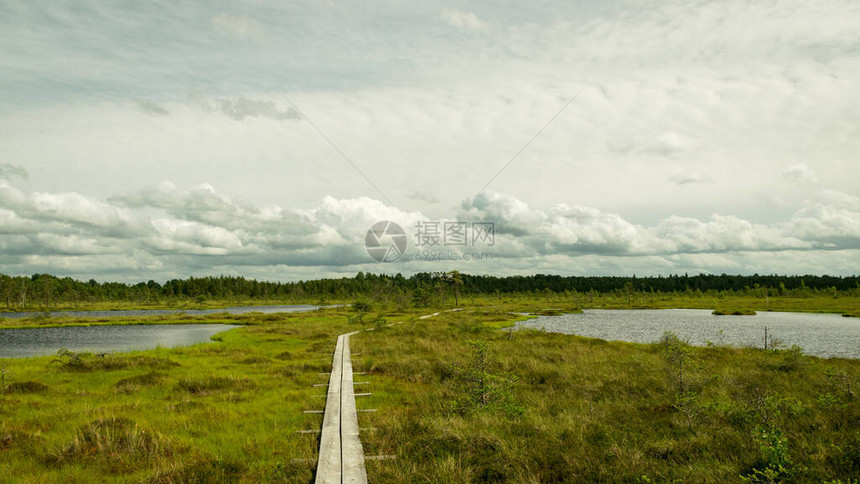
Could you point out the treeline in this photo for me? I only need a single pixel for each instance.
(47, 291)
(670, 283)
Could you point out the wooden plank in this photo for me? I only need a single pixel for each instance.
(353, 471)
(329, 461)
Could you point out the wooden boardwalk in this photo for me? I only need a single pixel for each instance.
(341, 457)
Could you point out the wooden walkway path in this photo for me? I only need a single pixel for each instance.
(341, 457)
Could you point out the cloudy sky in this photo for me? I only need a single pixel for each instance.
(155, 140)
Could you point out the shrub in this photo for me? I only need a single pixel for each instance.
(480, 388)
(678, 357)
(792, 358)
(776, 463)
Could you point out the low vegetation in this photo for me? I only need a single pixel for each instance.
(459, 397)
(224, 411)
(550, 408)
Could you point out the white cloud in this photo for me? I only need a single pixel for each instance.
(466, 21)
(586, 230)
(723, 234)
(184, 236)
(835, 224)
(430, 108)
(201, 231)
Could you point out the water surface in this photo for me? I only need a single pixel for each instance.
(825, 335)
(24, 342)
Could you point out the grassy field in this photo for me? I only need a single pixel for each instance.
(63, 321)
(564, 408)
(458, 400)
(840, 303)
(178, 304)
(217, 412)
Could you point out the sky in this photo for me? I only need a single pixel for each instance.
(159, 140)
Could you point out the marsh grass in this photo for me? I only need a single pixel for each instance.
(112, 438)
(845, 304)
(592, 410)
(88, 362)
(598, 411)
(198, 471)
(134, 383)
(223, 411)
(27, 387)
(211, 384)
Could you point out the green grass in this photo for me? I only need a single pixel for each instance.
(66, 321)
(597, 411)
(166, 303)
(212, 412)
(840, 303)
(559, 407)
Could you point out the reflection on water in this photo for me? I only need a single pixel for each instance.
(18, 343)
(826, 335)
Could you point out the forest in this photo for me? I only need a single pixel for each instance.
(45, 291)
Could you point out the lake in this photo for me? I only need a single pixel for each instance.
(825, 335)
(20, 343)
(162, 312)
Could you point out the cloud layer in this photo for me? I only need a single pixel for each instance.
(164, 231)
(704, 136)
